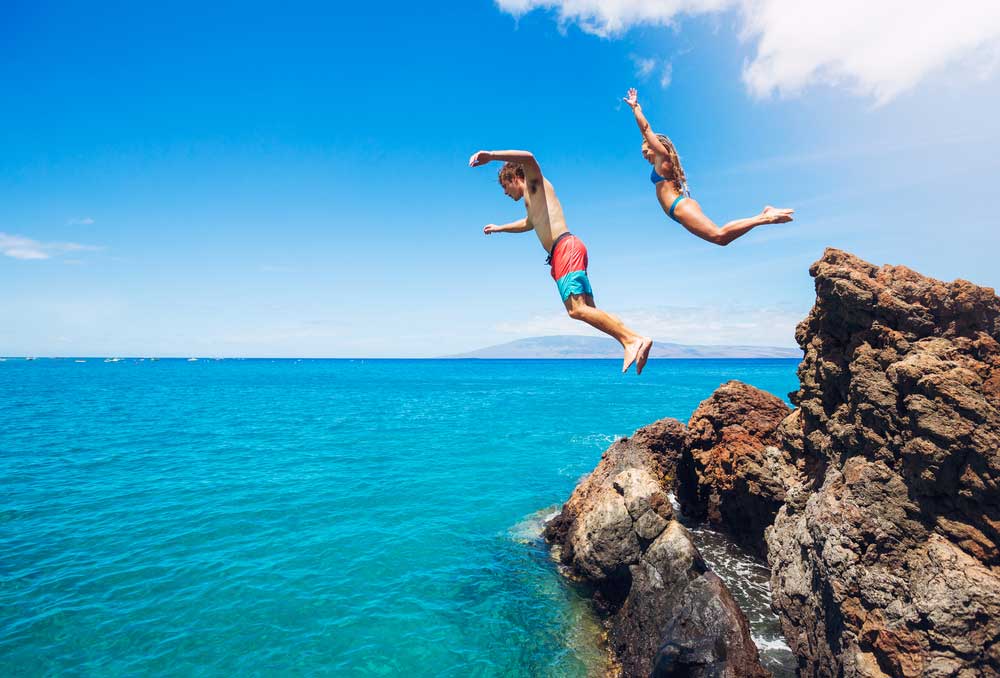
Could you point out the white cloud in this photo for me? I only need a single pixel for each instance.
(20, 247)
(666, 75)
(879, 49)
(643, 66)
(80, 221)
(607, 18)
(767, 326)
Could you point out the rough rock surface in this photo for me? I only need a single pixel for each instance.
(740, 474)
(886, 563)
(667, 614)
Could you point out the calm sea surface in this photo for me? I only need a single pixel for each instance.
(322, 517)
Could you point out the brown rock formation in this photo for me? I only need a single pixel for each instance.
(879, 496)
(891, 567)
(668, 615)
(740, 474)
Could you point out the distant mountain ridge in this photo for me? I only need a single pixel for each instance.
(572, 346)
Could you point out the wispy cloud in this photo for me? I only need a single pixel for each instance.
(878, 49)
(842, 152)
(20, 247)
(80, 221)
(646, 66)
(666, 74)
(764, 326)
(643, 66)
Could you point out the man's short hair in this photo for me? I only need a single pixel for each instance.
(509, 171)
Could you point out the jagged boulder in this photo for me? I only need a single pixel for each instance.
(885, 563)
(740, 475)
(667, 614)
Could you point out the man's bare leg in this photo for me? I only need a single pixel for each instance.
(582, 307)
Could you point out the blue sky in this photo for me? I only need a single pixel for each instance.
(256, 180)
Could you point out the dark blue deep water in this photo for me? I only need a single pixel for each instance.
(326, 517)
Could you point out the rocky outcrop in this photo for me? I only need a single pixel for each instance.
(885, 563)
(668, 614)
(878, 497)
(739, 476)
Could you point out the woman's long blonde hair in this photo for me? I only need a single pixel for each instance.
(676, 177)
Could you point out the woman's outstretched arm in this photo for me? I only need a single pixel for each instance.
(647, 133)
(690, 216)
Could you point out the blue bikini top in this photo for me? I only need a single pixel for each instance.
(656, 178)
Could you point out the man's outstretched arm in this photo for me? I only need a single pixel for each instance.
(519, 226)
(525, 159)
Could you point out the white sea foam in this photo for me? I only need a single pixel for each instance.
(530, 528)
(770, 644)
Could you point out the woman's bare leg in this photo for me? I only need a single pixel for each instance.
(693, 219)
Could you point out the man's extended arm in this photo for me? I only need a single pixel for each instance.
(519, 226)
(647, 133)
(523, 158)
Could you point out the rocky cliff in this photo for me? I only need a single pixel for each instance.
(875, 500)
(889, 565)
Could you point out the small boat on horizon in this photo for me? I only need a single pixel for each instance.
(79, 361)
(192, 360)
(112, 360)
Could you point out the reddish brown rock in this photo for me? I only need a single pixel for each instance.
(740, 474)
(883, 486)
(890, 567)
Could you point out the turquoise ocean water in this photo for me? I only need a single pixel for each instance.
(324, 517)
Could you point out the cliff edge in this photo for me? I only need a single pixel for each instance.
(876, 500)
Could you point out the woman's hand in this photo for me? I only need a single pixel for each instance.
(632, 99)
(490, 228)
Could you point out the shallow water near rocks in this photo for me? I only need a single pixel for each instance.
(327, 517)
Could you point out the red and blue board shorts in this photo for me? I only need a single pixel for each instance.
(569, 266)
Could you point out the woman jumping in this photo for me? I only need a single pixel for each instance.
(671, 188)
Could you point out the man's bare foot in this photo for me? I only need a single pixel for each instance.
(777, 215)
(643, 354)
(631, 353)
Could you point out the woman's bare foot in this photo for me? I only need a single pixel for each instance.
(777, 215)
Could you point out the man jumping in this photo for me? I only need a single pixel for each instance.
(521, 177)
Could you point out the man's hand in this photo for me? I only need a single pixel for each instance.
(490, 228)
(632, 99)
(480, 158)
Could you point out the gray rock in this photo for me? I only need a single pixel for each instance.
(885, 561)
(662, 605)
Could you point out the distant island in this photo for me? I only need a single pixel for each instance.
(571, 346)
